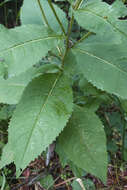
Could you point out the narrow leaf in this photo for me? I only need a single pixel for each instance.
(40, 116)
(84, 142)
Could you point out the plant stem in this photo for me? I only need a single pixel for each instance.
(83, 38)
(43, 14)
(70, 26)
(69, 31)
(77, 4)
(67, 39)
(18, 16)
(57, 18)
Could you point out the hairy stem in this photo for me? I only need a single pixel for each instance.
(43, 14)
(77, 4)
(69, 31)
(67, 39)
(57, 18)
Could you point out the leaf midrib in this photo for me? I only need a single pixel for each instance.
(100, 59)
(16, 85)
(37, 118)
(28, 42)
(105, 20)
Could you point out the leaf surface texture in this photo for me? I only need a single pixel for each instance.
(40, 116)
(31, 14)
(79, 142)
(104, 65)
(103, 19)
(12, 88)
(24, 46)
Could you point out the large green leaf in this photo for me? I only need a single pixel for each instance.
(101, 18)
(104, 65)
(31, 14)
(40, 116)
(84, 142)
(24, 46)
(12, 88)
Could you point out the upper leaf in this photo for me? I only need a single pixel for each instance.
(84, 142)
(40, 116)
(104, 65)
(103, 19)
(31, 14)
(24, 46)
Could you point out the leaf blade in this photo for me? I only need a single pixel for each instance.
(27, 46)
(44, 118)
(12, 88)
(100, 17)
(80, 144)
(108, 73)
(31, 14)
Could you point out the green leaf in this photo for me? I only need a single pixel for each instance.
(84, 141)
(78, 172)
(31, 14)
(124, 105)
(62, 157)
(92, 96)
(24, 46)
(47, 182)
(70, 66)
(76, 185)
(99, 17)
(104, 65)
(40, 116)
(7, 156)
(12, 88)
(6, 112)
(88, 88)
(88, 184)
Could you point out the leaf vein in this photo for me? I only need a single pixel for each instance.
(99, 58)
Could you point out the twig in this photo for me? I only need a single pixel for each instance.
(77, 4)
(80, 183)
(31, 181)
(64, 182)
